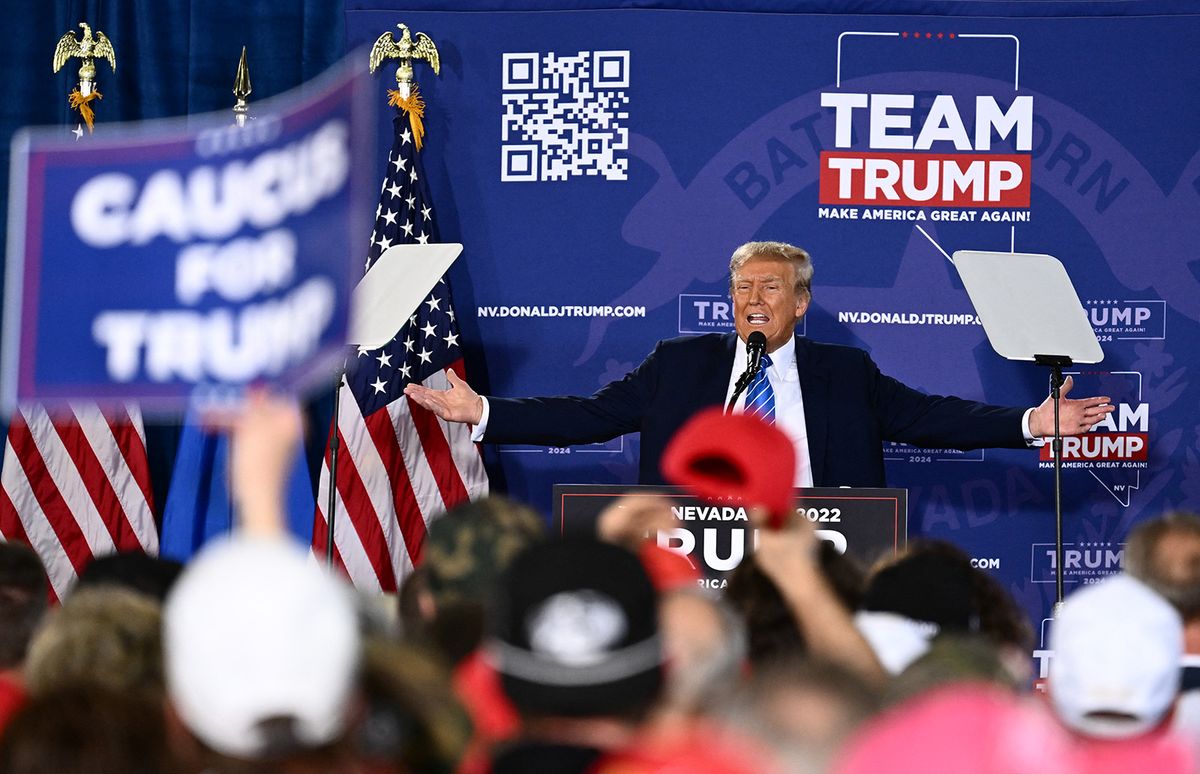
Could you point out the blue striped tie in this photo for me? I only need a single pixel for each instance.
(760, 398)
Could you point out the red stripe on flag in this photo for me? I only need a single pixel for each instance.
(408, 510)
(13, 530)
(51, 501)
(363, 518)
(437, 451)
(133, 449)
(10, 521)
(99, 487)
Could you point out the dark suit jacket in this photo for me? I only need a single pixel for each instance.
(850, 408)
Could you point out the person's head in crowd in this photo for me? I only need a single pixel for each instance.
(801, 709)
(953, 658)
(1117, 646)
(465, 553)
(576, 643)
(412, 721)
(771, 627)
(960, 728)
(83, 729)
(1164, 553)
(109, 637)
(23, 601)
(133, 570)
(262, 653)
(704, 642)
(930, 589)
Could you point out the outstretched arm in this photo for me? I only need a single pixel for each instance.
(1075, 416)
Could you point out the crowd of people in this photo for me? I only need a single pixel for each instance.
(511, 649)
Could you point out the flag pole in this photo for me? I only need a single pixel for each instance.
(407, 101)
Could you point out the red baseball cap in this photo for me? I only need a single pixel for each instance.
(734, 457)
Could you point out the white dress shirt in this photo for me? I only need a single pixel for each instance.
(789, 403)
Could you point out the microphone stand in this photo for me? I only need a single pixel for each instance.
(334, 446)
(752, 368)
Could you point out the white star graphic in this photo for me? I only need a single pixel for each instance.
(398, 163)
(412, 320)
(425, 212)
(425, 356)
(412, 175)
(434, 302)
(385, 243)
(451, 340)
(429, 329)
(405, 370)
(363, 350)
(406, 136)
(78, 132)
(450, 313)
(378, 209)
(379, 385)
(389, 217)
(423, 239)
(384, 360)
(394, 190)
(407, 229)
(411, 201)
(408, 344)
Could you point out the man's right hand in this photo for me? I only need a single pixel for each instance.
(458, 404)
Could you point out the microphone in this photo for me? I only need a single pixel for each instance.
(756, 345)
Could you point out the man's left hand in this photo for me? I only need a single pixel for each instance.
(1074, 416)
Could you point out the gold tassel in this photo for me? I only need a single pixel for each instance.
(414, 106)
(80, 103)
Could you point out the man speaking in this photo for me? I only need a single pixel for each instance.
(831, 400)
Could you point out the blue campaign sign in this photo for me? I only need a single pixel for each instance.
(153, 259)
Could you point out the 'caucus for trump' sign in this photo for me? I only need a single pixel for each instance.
(157, 258)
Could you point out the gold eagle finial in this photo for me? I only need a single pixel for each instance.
(87, 49)
(406, 50)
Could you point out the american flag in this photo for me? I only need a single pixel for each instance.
(76, 485)
(399, 466)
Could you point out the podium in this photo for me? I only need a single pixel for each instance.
(866, 524)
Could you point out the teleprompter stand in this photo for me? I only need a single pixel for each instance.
(1030, 311)
(396, 284)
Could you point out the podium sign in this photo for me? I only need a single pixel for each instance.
(865, 523)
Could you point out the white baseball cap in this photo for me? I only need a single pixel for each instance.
(1117, 649)
(897, 640)
(255, 630)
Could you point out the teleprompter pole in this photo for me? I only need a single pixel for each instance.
(1056, 363)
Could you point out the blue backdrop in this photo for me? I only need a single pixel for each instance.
(702, 126)
(601, 163)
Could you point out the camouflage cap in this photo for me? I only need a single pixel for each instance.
(470, 547)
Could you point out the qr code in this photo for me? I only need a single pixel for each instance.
(563, 116)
